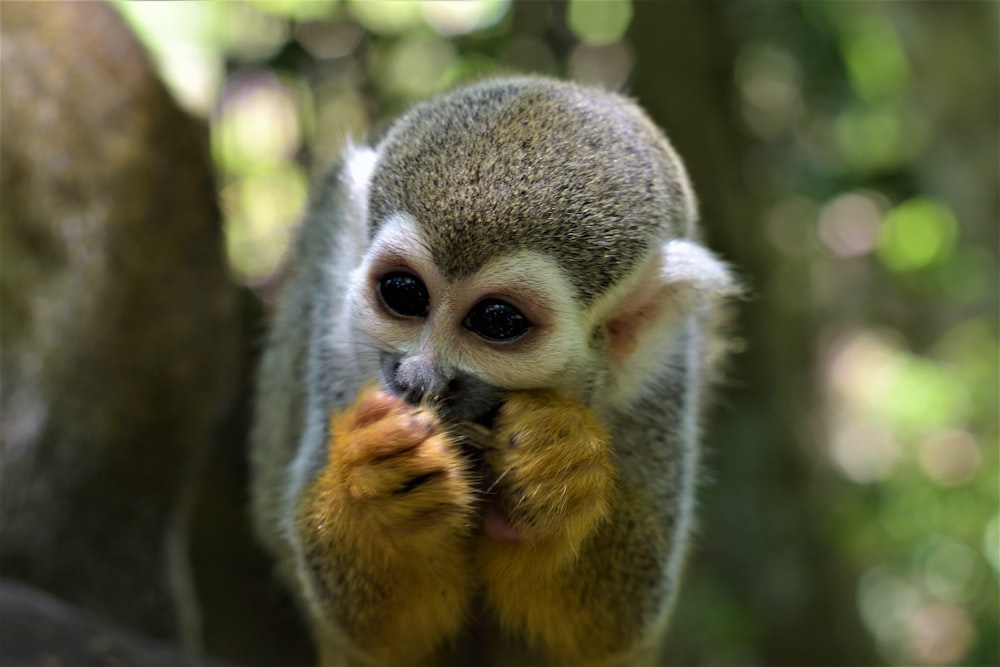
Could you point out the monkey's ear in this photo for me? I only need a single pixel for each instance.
(683, 278)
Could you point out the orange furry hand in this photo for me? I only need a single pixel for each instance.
(385, 527)
(553, 473)
(392, 466)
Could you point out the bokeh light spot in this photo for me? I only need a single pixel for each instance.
(325, 40)
(386, 18)
(258, 124)
(450, 18)
(769, 82)
(991, 543)
(950, 457)
(917, 233)
(417, 65)
(940, 634)
(600, 22)
(298, 9)
(865, 450)
(606, 65)
(261, 212)
(183, 38)
(947, 568)
(875, 58)
(849, 224)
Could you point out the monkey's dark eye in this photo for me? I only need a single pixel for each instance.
(496, 321)
(404, 294)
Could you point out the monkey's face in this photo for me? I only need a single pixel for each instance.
(529, 237)
(460, 343)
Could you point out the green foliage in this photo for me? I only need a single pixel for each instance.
(873, 143)
(906, 296)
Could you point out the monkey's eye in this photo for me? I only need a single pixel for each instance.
(404, 294)
(496, 321)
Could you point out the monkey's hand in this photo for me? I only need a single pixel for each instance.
(553, 473)
(386, 526)
(556, 488)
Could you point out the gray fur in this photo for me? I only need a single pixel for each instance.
(525, 163)
(522, 163)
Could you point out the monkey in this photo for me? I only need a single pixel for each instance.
(478, 409)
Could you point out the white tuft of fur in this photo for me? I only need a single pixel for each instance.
(359, 166)
(696, 270)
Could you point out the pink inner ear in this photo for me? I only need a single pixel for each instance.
(622, 339)
(636, 316)
(636, 312)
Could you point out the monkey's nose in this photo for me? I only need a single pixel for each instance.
(413, 378)
(455, 394)
(438, 390)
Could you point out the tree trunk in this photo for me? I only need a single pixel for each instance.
(765, 562)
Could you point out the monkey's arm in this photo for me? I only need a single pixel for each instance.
(384, 528)
(582, 573)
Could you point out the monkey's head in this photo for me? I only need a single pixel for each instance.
(525, 233)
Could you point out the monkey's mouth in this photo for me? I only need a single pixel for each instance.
(477, 426)
(475, 436)
(487, 418)
(497, 525)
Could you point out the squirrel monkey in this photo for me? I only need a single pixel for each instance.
(476, 427)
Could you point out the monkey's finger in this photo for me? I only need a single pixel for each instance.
(371, 405)
(396, 434)
(399, 475)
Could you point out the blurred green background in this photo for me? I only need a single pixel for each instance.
(846, 157)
